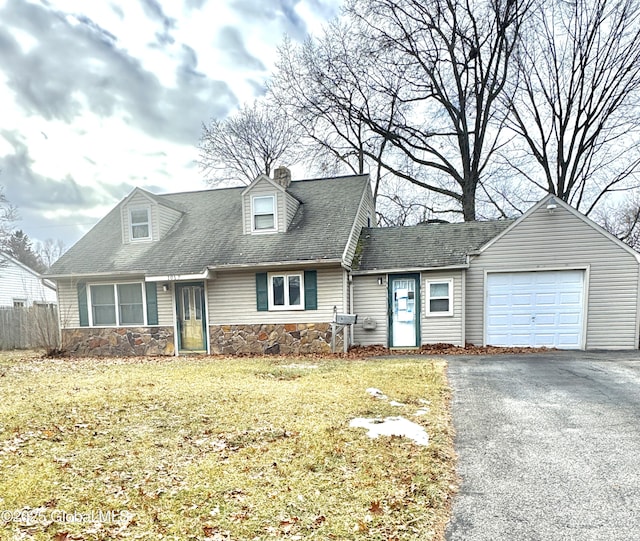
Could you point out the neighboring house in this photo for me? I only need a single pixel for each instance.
(21, 286)
(550, 278)
(265, 268)
(248, 270)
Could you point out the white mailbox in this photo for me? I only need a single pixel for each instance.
(346, 319)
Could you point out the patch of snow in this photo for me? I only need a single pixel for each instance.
(422, 411)
(392, 426)
(395, 403)
(376, 393)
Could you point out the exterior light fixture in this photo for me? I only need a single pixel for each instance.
(552, 205)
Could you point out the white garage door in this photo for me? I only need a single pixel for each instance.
(535, 309)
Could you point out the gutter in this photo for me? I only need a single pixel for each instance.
(402, 270)
(93, 274)
(307, 263)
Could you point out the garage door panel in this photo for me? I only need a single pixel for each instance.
(541, 308)
(569, 319)
(499, 300)
(518, 320)
(546, 319)
(544, 340)
(571, 298)
(542, 299)
(520, 299)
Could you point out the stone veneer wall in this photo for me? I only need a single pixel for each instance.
(272, 338)
(119, 341)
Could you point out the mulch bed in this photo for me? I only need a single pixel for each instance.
(440, 349)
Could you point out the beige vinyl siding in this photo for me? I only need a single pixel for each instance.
(445, 329)
(370, 300)
(262, 188)
(232, 299)
(68, 303)
(292, 205)
(165, 306)
(167, 218)
(139, 201)
(68, 300)
(556, 241)
(365, 211)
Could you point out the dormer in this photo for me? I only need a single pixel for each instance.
(267, 206)
(145, 217)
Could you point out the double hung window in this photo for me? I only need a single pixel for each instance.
(286, 291)
(264, 213)
(140, 223)
(116, 304)
(440, 301)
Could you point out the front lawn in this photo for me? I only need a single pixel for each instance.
(217, 449)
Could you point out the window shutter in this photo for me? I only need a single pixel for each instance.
(152, 302)
(262, 292)
(310, 290)
(83, 309)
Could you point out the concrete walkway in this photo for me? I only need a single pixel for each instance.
(548, 445)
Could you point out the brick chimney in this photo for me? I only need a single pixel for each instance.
(282, 176)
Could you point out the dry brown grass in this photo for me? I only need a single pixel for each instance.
(211, 448)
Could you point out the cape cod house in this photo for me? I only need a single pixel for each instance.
(265, 268)
(254, 269)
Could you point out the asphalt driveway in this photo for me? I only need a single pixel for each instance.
(548, 446)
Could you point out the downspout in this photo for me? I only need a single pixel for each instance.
(351, 306)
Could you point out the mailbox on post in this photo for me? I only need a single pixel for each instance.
(346, 319)
(339, 324)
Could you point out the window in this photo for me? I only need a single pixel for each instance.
(439, 302)
(130, 304)
(264, 213)
(127, 298)
(286, 292)
(19, 303)
(140, 224)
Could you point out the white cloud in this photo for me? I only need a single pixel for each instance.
(99, 97)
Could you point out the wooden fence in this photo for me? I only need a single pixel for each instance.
(23, 328)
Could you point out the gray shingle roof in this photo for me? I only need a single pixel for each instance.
(210, 233)
(424, 245)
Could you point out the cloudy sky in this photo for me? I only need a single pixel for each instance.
(100, 96)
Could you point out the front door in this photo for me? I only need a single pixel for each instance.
(191, 317)
(404, 310)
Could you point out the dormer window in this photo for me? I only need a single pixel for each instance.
(264, 213)
(140, 220)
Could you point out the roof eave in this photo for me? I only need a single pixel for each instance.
(399, 270)
(264, 264)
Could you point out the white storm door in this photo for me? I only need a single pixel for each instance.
(535, 309)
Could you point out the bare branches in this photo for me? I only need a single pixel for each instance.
(574, 104)
(452, 61)
(8, 216)
(247, 144)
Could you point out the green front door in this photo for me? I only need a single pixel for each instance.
(191, 317)
(404, 310)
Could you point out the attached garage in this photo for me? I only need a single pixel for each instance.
(535, 309)
(553, 278)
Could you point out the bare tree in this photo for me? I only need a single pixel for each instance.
(247, 144)
(574, 104)
(452, 58)
(8, 216)
(622, 219)
(49, 251)
(329, 85)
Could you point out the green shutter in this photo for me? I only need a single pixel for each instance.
(152, 303)
(310, 290)
(262, 292)
(83, 309)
